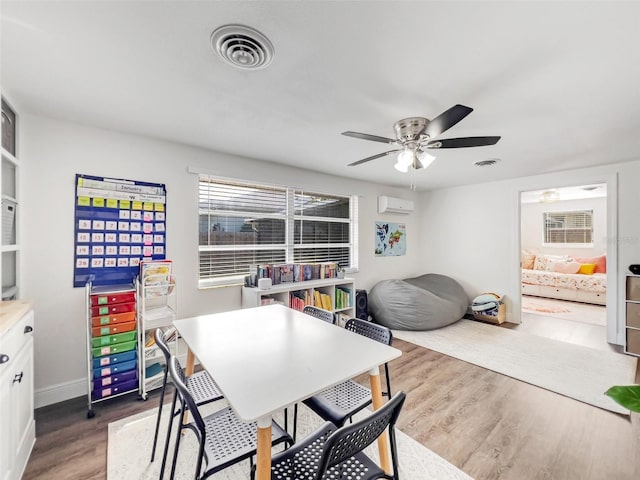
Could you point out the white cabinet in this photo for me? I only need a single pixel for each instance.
(17, 424)
(157, 307)
(338, 292)
(632, 315)
(10, 258)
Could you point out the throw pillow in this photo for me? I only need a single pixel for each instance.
(527, 260)
(566, 267)
(600, 262)
(587, 268)
(542, 262)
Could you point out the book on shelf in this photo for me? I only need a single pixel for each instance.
(292, 272)
(343, 297)
(155, 276)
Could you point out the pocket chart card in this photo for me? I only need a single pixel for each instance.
(118, 223)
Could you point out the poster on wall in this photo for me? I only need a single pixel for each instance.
(118, 223)
(391, 239)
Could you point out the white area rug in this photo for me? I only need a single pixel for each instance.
(575, 311)
(578, 372)
(130, 441)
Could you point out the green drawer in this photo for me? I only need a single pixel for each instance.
(115, 338)
(115, 348)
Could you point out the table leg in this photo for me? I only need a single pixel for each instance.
(190, 363)
(376, 395)
(263, 461)
(191, 360)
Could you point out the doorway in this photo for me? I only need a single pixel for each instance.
(563, 233)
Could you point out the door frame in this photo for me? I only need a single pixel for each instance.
(615, 331)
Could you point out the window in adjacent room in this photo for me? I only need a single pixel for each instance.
(246, 223)
(562, 228)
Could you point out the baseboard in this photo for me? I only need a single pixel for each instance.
(59, 393)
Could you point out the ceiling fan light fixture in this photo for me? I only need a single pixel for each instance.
(425, 158)
(401, 167)
(405, 160)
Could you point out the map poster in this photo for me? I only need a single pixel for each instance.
(391, 239)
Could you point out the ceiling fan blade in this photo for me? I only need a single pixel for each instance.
(446, 120)
(372, 158)
(463, 142)
(366, 136)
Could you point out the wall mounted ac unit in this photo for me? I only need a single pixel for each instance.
(394, 205)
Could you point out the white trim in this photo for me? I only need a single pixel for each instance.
(60, 392)
(615, 302)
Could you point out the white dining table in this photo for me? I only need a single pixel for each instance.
(267, 358)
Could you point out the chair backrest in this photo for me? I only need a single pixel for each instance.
(179, 381)
(374, 331)
(162, 344)
(325, 315)
(353, 438)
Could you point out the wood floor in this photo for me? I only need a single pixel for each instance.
(488, 425)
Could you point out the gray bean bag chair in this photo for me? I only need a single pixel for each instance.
(422, 303)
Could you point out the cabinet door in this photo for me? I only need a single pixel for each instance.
(6, 422)
(22, 404)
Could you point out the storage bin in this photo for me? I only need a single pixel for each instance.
(8, 221)
(114, 369)
(112, 390)
(115, 379)
(112, 298)
(8, 129)
(633, 288)
(111, 339)
(110, 309)
(111, 349)
(113, 329)
(114, 359)
(116, 318)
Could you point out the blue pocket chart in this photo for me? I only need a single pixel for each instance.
(118, 223)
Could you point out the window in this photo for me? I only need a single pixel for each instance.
(242, 224)
(568, 227)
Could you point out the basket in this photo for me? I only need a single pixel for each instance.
(8, 221)
(497, 319)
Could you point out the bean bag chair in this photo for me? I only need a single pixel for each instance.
(423, 303)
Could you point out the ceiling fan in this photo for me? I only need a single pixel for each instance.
(414, 135)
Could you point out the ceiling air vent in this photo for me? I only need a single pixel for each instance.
(243, 47)
(487, 163)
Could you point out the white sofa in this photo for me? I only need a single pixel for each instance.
(545, 281)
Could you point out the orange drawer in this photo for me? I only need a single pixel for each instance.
(110, 319)
(109, 298)
(110, 309)
(113, 328)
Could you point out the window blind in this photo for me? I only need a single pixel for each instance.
(575, 227)
(241, 224)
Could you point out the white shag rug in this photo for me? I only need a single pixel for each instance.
(575, 371)
(130, 441)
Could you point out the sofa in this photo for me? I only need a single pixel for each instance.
(578, 279)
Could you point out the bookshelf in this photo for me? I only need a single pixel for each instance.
(339, 292)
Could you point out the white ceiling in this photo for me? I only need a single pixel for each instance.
(559, 81)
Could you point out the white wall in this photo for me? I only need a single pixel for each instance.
(53, 152)
(533, 226)
(471, 233)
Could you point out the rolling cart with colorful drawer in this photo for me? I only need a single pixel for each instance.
(112, 342)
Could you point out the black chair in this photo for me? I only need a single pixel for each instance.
(339, 403)
(336, 453)
(223, 438)
(375, 332)
(320, 313)
(200, 385)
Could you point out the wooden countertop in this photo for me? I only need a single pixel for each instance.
(12, 311)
